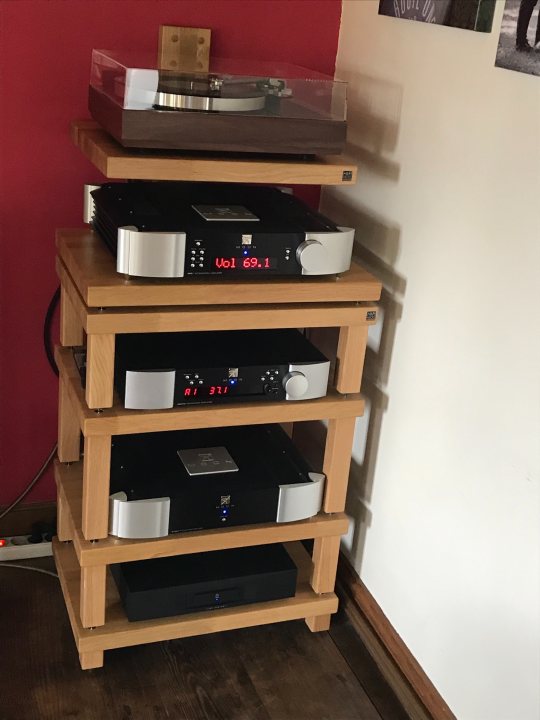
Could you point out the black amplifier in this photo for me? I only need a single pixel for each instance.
(176, 481)
(179, 229)
(204, 581)
(160, 370)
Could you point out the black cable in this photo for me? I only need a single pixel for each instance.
(47, 343)
(31, 484)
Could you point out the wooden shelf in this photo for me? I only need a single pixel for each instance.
(92, 268)
(69, 480)
(118, 421)
(115, 161)
(119, 632)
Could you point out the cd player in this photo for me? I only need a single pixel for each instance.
(184, 480)
(217, 230)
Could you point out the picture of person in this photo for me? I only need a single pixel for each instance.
(519, 40)
(526, 9)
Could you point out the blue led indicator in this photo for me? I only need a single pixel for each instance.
(245, 252)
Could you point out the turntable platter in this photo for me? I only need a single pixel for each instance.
(173, 101)
(210, 93)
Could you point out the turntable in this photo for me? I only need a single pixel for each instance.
(270, 109)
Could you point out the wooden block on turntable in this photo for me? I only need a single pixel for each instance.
(184, 48)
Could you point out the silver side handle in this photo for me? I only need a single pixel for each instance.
(300, 500)
(150, 254)
(326, 253)
(138, 519)
(149, 389)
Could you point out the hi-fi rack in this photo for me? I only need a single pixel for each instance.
(98, 303)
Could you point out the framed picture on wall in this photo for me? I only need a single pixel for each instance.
(465, 14)
(519, 41)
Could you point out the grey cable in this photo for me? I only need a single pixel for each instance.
(27, 567)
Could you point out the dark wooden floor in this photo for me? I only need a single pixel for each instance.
(274, 672)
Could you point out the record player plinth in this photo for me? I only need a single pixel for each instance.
(305, 134)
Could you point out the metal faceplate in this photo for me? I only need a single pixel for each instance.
(138, 518)
(149, 389)
(337, 254)
(150, 254)
(317, 376)
(300, 500)
(207, 461)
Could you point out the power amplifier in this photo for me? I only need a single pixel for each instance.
(184, 480)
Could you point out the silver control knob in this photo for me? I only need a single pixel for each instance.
(312, 256)
(295, 384)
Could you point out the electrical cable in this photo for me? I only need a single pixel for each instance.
(47, 343)
(31, 484)
(27, 567)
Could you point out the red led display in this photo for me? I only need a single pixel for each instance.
(206, 391)
(245, 263)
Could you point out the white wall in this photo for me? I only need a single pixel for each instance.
(446, 497)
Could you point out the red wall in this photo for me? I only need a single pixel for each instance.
(45, 48)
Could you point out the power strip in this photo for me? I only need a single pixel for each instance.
(18, 548)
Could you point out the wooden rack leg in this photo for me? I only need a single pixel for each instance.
(93, 596)
(319, 623)
(71, 330)
(337, 462)
(96, 483)
(323, 577)
(69, 435)
(64, 528)
(351, 352)
(325, 560)
(91, 660)
(99, 370)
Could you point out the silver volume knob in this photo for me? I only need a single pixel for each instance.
(295, 384)
(312, 256)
